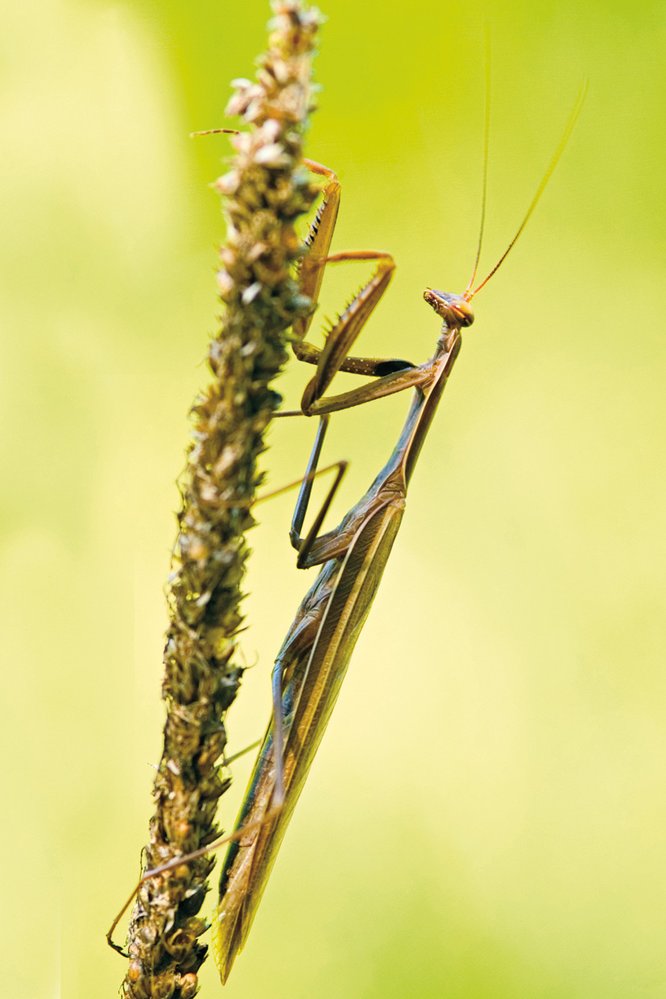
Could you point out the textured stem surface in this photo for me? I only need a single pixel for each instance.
(267, 190)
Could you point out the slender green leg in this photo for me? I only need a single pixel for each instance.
(303, 546)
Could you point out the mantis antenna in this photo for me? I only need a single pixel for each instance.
(561, 146)
(484, 189)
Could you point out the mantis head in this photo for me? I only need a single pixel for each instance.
(455, 310)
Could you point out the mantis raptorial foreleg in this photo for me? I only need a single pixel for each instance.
(334, 356)
(311, 274)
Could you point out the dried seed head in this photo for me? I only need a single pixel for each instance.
(266, 189)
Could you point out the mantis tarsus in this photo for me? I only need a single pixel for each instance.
(313, 659)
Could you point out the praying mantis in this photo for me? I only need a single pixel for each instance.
(313, 659)
(312, 662)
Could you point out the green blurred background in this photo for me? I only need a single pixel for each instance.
(486, 815)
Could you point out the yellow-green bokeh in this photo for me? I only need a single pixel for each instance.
(486, 814)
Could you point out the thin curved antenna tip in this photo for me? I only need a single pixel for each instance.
(486, 143)
(561, 146)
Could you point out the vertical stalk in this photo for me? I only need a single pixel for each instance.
(267, 190)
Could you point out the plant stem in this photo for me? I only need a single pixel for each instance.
(267, 190)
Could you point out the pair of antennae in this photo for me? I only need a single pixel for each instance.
(469, 293)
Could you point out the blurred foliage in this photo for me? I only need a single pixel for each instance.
(485, 817)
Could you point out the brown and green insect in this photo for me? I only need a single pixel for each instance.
(312, 662)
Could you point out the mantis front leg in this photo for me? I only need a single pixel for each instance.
(334, 356)
(393, 374)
